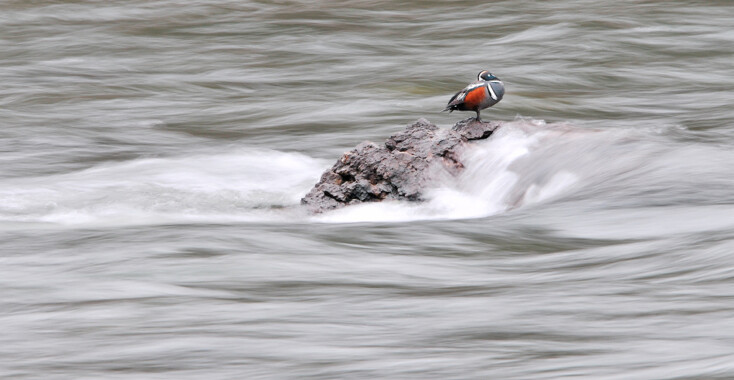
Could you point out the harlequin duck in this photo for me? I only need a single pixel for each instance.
(485, 92)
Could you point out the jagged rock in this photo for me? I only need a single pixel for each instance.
(401, 168)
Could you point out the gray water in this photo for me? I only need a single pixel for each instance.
(153, 154)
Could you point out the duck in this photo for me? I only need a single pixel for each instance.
(485, 92)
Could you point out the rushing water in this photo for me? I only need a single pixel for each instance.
(153, 154)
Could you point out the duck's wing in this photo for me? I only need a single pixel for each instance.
(458, 99)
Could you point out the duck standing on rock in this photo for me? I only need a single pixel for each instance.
(484, 93)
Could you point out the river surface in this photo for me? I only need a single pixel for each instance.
(153, 154)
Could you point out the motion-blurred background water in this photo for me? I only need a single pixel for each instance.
(153, 154)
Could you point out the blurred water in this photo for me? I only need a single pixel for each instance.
(153, 154)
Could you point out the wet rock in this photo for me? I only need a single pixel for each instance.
(401, 168)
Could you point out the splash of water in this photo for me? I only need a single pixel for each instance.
(489, 184)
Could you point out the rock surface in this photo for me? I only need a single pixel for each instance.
(401, 168)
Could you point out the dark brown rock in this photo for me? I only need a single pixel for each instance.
(401, 168)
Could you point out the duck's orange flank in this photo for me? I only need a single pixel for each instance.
(474, 97)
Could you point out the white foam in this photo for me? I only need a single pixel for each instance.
(235, 186)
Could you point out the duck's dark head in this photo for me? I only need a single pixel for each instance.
(486, 75)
